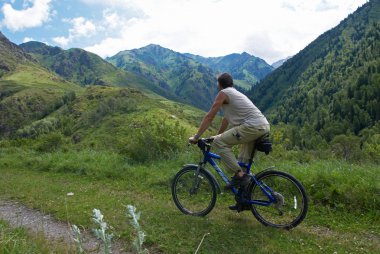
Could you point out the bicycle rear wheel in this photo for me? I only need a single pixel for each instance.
(291, 203)
(192, 194)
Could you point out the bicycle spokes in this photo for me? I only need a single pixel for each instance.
(286, 196)
(194, 192)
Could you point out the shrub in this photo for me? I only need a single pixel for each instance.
(109, 106)
(50, 142)
(372, 147)
(68, 96)
(39, 127)
(155, 140)
(346, 147)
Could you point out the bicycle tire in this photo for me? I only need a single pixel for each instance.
(262, 177)
(211, 187)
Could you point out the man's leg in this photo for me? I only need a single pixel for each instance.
(223, 143)
(237, 135)
(246, 136)
(246, 149)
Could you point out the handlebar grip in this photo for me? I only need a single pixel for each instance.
(208, 140)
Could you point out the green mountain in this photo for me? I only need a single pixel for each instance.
(28, 91)
(85, 68)
(10, 56)
(332, 86)
(246, 69)
(188, 80)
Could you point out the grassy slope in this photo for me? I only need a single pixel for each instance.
(39, 181)
(118, 127)
(29, 93)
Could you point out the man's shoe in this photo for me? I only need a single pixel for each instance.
(234, 207)
(237, 181)
(239, 207)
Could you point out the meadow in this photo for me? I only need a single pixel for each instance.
(343, 215)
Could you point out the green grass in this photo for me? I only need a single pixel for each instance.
(34, 76)
(42, 181)
(20, 241)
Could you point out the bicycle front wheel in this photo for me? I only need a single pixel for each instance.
(194, 194)
(290, 205)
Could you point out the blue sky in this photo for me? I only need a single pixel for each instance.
(270, 29)
(57, 23)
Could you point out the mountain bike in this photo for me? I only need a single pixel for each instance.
(275, 198)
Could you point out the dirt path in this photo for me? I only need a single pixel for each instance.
(19, 215)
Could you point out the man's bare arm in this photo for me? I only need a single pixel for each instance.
(207, 120)
(223, 125)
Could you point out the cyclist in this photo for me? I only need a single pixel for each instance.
(248, 125)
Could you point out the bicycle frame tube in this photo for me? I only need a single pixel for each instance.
(209, 156)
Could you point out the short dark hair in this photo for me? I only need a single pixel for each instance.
(225, 80)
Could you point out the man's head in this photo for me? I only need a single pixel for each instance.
(225, 80)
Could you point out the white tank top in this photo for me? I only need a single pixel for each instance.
(240, 109)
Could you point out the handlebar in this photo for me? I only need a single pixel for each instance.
(204, 143)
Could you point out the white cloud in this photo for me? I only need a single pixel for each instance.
(80, 28)
(62, 41)
(26, 39)
(34, 14)
(324, 5)
(270, 29)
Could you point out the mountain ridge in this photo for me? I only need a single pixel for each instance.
(244, 67)
(9, 61)
(188, 80)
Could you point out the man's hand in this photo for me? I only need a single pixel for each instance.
(194, 139)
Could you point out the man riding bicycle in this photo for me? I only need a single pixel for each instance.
(248, 123)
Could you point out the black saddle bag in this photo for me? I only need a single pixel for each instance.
(263, 144)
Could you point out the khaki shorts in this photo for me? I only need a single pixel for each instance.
(244, 135)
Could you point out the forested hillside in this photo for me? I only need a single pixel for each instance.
(246, 69)
(331, 87)
(190, 81)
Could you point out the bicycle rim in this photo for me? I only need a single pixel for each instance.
(291, 202)
(194, 196)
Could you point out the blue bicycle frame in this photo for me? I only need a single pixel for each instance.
(209, 156)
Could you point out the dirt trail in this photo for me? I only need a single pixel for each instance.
(19, 215)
